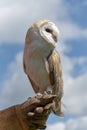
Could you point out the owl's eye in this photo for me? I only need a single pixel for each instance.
(48, 30)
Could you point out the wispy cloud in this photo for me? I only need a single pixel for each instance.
(15, 18)
(72, 31)
(16, 88)
(71, 124)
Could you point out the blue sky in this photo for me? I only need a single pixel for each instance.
(7, 55)
(70, 17)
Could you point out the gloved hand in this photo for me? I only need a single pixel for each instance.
(36, 110)
(30, 115)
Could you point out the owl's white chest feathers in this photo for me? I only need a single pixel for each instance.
(37, 68)
(38, 72)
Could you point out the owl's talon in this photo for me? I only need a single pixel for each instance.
(49, 92)
(45, 93)
(39, 95)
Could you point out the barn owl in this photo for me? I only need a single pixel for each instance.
(42, 62)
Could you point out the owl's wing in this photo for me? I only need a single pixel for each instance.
(55, 73)
(35, 88)
(56, 80)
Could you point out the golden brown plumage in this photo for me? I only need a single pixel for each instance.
(42, 62)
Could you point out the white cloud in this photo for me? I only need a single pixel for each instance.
(56, 126)
(75, 90)
(72, 31)
(16, 88)
(17, 16)
(70, 124)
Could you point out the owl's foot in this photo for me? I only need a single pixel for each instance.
(49, 92)
(39, 95)
(45, 92)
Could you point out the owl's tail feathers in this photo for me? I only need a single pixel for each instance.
(57, 108)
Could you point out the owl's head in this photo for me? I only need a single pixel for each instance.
(48, 31)
(44, 31)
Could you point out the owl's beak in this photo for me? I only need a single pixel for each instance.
(55, 37)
